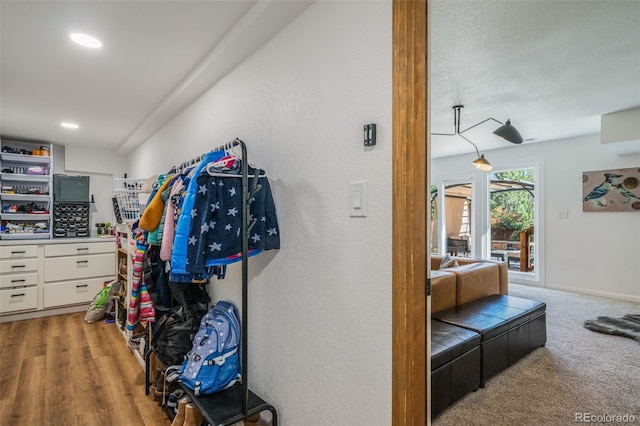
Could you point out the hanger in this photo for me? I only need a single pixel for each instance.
(218, 174)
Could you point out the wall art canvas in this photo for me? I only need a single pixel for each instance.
(616, 190)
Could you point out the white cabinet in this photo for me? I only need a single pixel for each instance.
(26, 194)
(19, 278)
(18, 299)
(71, 292)
(37, 277)
(16, 280)
(18, 252)
(73, 273)
(53, 250)
(11, 266)
(77, 267)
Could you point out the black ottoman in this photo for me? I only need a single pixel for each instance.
(455, 364)
(510, 327)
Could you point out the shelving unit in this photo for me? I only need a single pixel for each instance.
(26, 188)
(123, 250)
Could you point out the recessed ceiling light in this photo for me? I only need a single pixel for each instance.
(70, 125)
(86, 40)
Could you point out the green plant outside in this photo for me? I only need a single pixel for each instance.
(512, 211)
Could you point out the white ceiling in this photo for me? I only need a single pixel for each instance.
(552, 67)
(158, 57)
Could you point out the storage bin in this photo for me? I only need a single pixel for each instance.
(126, 193)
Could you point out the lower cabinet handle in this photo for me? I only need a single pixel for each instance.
(82, 285)
(18, 281)
(82, 261)
(18, 295)
(83, 248)
(18, 252)
(18, 266)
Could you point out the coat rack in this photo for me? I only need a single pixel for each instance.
(237, 403)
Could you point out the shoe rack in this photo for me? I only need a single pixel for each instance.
(125, 246)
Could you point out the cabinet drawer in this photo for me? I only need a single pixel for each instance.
(71, 292)
(78, 249)
(75, 267)
(13, 266)
(18, 299)
(15, 280)
(12, 252)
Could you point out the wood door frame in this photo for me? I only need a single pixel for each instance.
(410, 303)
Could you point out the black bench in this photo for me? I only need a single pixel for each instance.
(455, 364)
(509, 327)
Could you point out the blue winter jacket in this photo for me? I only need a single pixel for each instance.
(216, 219)
(183, 223)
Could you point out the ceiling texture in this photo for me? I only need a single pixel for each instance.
(552, 67)
(157, 58)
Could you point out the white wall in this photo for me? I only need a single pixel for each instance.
(101, 166)
(320, 307)
(590, 252)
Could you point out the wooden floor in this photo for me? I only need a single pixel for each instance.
(61, 371)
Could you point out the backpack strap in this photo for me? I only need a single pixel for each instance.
(220, 360)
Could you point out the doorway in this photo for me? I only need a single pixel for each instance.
(452, 219)
(512, 218)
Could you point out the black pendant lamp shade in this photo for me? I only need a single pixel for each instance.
(509, 133)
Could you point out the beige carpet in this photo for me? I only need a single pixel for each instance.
(578, 373)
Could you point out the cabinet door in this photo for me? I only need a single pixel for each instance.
(78, 249)
(18, 299)
(71, 292)
(18, 280)
(13, 252)
(13, 266)
(77, 267)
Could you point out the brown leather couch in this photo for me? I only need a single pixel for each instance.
(471, 280)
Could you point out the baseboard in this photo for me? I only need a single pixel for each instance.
(521, 281)
(608, 295)
(44, 313)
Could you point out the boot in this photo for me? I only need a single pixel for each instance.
(252, 420)
(154, 383)
(192, 416)
(161, 388)
(178, 420)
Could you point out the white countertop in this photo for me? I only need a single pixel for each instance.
(34, 241)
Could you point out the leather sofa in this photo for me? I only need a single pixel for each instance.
(473, 279)
(477, 330)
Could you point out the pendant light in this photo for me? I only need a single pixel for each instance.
(482, 164)
(509, 133)
(506, 131)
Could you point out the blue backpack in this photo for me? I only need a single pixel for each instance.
(213, 363)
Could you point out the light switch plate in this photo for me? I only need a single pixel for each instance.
(358, 199)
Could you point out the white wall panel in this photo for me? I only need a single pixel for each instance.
(320, 307)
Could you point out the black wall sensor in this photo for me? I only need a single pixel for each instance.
(369, 134)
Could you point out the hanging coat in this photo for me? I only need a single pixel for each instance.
(216, 220)
(140, 304)
(181, 237)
